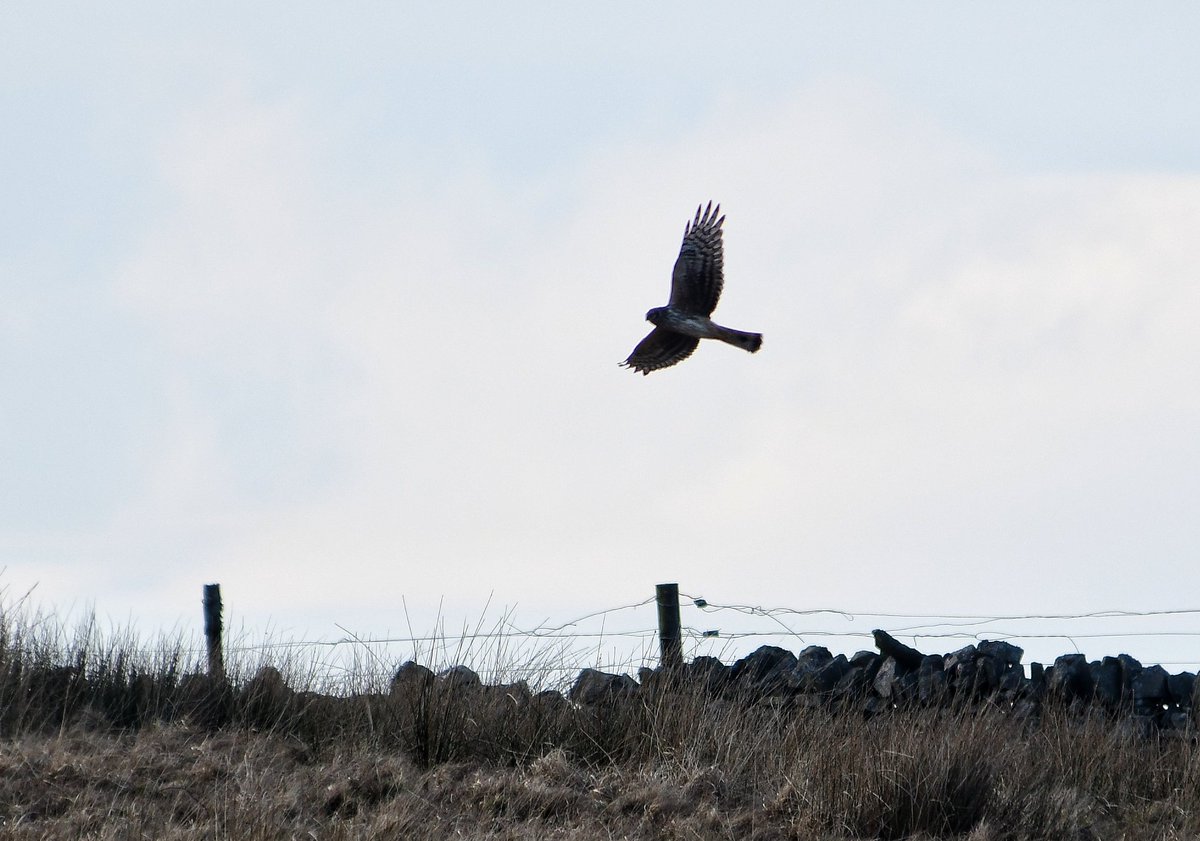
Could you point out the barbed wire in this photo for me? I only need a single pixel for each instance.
(991, 635)
(927, 626)
(625, 638)
(542, 629)
(772, 612)
(438, 638)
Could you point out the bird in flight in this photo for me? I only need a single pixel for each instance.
(695, 287)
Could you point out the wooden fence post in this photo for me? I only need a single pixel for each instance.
(212, 631)
(669, 636)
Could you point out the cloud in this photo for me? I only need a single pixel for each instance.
(971, 373)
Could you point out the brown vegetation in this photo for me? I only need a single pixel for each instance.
(101, 741)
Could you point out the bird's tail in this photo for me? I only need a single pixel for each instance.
(746, 341)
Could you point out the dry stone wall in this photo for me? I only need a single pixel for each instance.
(897, 676)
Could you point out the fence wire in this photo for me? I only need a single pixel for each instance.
(552, 653)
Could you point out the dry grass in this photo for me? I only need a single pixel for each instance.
(103, 740)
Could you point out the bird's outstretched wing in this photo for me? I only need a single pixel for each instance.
(661, 349)
(699, 271)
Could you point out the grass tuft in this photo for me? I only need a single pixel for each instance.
(108, 737)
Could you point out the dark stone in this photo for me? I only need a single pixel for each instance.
(956, 658)
(805, 676)
(853, 684)
(1012, 682)
(908, 658)
(815, 655)
(703, 665)
(765, 670)
(411, 678)
(204, 700)
(1106, 679)
(1181, 687)
(507, 697)
(931, 680)
(1005, 652)
(864, 659)
(459, 677)
(659, 678)
(1028, 710)
(265, 694)
(828, 676)
(593, 686)
(1176, 720)
(987, 675)
(1071, 679)
(960, 669)
(709, 674)
(962, 677)
(895, 684)
(886, 682)
(869, 661)
(1130, 669)
(505, 700)
(1150, 689)
(548, 702)
(1037, 680)
(873, 705)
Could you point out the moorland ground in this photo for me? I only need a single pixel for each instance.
(108, 739)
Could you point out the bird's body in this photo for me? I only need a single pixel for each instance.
(696, 286)
(702, 327)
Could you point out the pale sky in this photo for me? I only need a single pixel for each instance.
(325, 303)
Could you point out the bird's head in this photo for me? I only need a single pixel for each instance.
(654, 316)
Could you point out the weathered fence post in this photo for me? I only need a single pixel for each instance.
(212, 631)
(669, 636)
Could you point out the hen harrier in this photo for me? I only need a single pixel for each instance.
(695, 287)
